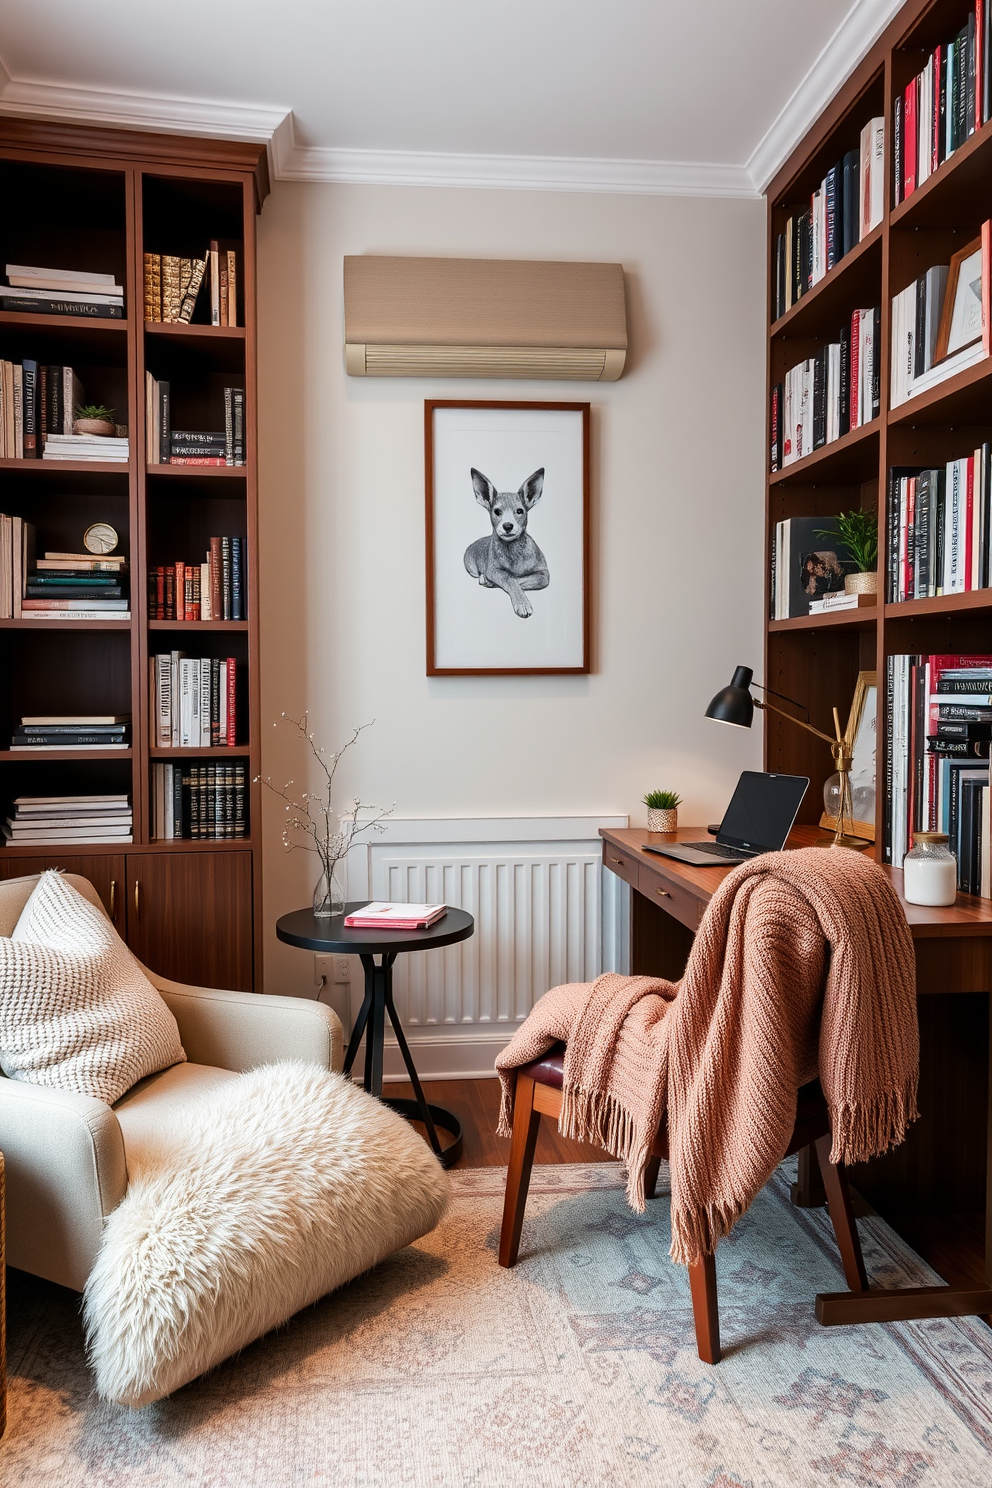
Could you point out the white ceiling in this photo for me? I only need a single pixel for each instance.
(650, 95)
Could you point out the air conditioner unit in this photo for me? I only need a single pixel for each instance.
(477, 317)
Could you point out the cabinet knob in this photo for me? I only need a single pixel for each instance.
(137, 899)
(113, 898)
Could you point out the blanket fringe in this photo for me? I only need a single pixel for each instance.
(594, 1116)
(864, 1129)
(696, 1231)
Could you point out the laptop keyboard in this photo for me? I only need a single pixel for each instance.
(720, 852)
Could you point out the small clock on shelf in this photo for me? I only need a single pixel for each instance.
(100, 538)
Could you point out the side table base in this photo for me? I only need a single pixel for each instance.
(446, 1120)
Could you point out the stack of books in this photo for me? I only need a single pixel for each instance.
(169, 446)
(76, 586)
(924, 349)
(944, 104)
(60, 586)
(212, 590)
(830, 394)
(97, 447)
(809, 566)
(71, 731)
(380, 915)
(38, 821)
(203, 803)
(172, 286)
(939, 721)
(36, 401)
(62, 292)
(193, 701)
(845, 208)
(939, 528)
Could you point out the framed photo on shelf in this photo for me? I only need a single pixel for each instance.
(961, 313)
(507, 538)
(861, 736)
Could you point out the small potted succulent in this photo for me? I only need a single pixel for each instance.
(94, 418)
(858, 531)
(663, 810)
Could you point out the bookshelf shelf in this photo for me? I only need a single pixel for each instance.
(96, 467)
(822, 309)
(212, 751)
(37, 626)
(943, 604)
(958, 194)
(100, 200)
(55, 756)
(844, 619)
(853, 457)
(964, 398)
(198, 472)
(198, 625)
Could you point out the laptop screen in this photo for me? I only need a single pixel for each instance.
(762, 810)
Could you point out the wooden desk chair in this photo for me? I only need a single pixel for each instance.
(538, 1094)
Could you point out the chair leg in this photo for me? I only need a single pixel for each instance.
(842, 1217)
(522, 1143)
(705, 1308)
(651, 1176)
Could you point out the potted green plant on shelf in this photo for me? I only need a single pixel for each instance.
(94, 418)
(858, 531)
(663, 810)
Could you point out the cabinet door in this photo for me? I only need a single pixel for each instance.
(189, 916)
(105, 872)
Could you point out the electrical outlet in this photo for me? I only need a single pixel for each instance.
(342, 968)
(322, 970)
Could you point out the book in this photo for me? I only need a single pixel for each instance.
(385, 915)
(48, 303)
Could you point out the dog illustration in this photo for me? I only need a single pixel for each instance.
(509, 559)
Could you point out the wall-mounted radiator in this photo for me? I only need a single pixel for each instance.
(545, 912)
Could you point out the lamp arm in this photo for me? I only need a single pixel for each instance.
(799, 722)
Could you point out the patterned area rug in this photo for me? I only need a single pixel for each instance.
(576, 1370)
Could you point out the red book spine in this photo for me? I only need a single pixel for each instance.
(907, 556)
(854, 401)
(180, 591)
(232, 731)
(910, 140)
(170, 592)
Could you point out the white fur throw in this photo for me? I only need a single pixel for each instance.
(271, 1191)
(76, 1010)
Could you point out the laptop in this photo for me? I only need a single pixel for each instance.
(758, 820)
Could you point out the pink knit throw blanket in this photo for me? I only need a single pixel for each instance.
(803, 966)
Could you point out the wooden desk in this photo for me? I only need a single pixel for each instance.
(943, 1166)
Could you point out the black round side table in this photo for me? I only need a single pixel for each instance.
(332, 937)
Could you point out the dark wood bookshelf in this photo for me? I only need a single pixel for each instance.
(815, 659)
(99, 199)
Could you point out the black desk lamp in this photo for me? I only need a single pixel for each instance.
(735, 705)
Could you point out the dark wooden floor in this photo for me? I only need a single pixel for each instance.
(954, 1244)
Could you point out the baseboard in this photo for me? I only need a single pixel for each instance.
(457, 1057)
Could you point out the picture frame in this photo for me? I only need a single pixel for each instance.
(860, 737)
(961, 313)
(508, 557)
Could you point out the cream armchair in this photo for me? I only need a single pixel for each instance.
(66, 1155)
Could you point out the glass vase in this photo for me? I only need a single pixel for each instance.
(328, 896)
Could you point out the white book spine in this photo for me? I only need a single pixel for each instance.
(206, 613)
(205, 700)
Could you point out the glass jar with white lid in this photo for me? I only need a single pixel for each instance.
(930, 870)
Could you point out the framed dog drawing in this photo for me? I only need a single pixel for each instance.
(507, 538)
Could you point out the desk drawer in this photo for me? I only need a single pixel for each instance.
(673, 897)
(623, 864)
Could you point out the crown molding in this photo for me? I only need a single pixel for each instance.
(134, 111)
(295, 162)
(853, 39)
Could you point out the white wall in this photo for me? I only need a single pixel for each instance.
(677, 462)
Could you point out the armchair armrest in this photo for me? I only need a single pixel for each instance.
(65, 1172)
(240, 1030)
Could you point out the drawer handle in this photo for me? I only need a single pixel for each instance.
(113, 898)
(618, 860)
(137, 899)
(664, 893)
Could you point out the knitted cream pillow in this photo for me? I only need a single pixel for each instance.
(76, 1010)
